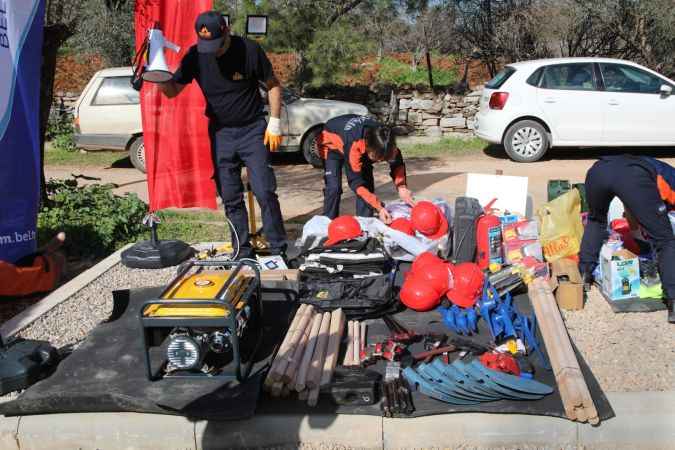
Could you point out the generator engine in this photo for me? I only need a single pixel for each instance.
(206, 322)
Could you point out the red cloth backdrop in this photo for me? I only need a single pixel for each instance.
(175, 131)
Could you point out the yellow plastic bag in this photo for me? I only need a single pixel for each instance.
(560, 227)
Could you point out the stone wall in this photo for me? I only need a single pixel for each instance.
(432, 114)
(64, 102)
(422, 113)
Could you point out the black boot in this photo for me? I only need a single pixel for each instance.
(671, 310)
(588, 281)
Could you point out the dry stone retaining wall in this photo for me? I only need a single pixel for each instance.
(432, 114)
(424, 113)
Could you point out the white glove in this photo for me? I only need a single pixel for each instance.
(273, 133)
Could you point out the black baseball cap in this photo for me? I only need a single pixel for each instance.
(211, 28)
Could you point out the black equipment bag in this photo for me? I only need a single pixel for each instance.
(467, 212)
(359, 298)
(354, 257)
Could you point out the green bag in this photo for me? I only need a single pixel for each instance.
(581, 187)
(556, 188)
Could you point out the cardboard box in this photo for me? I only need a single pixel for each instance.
(570, 291)
(620, 274)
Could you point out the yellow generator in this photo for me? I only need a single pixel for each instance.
(207, 322)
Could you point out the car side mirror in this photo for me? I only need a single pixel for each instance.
(665, 90)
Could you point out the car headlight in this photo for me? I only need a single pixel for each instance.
(183, 352)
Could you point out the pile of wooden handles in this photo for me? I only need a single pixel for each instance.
(574, 392)
(356, 343)
(308, 354)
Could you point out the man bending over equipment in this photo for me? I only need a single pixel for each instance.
(357, 142)
(228, 70)
(646, 186)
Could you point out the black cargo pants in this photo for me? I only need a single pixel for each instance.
(231, 148)
(332, 192)
(634, 182)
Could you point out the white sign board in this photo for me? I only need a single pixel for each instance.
(510, 192)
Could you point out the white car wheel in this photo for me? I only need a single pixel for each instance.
(526, 141)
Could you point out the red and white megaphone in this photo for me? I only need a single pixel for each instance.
(156, 70)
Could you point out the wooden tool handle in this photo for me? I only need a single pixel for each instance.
(337, 325)
(285, 357)
(301, 379)
(316, 368)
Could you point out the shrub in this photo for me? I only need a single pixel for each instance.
(96, 221)
(60, 132)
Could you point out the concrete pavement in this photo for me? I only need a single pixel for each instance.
(643, 421)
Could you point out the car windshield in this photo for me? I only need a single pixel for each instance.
(289, 96)
(500, 78)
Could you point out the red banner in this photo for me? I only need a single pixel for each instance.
(175, 131)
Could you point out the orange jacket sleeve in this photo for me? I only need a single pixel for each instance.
(397, 169)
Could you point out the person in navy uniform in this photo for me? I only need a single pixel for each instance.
(646, 186)
(229, 70)
(355, 143)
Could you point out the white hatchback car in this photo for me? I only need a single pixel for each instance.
(531, 106)
(108, 116)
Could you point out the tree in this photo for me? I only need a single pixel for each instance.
(500, 30)
(61, 21)
(332, 53)
(640, 31)
(107, 30)
(300, 21)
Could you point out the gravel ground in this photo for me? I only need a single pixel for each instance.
(626, 352)
(72, 320)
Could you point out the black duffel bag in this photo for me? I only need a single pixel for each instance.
(359, 298)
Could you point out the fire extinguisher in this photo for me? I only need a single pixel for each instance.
(488, 238)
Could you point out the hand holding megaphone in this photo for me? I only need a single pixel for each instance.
(157, 70)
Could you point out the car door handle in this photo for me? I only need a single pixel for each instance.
(614, 102)
(550, 100)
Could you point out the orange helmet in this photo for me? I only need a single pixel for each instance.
(424, 259)
(418, 294)
(403, 225)
(468, 284)
(429, 220)
(343, 228)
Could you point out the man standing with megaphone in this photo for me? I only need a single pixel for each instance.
(228, 70)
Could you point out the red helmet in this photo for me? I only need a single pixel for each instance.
(403, 225)
(343, 228)
(424, 259)
(438, 275)
(468, 284)
(429, 220)
(418, 294)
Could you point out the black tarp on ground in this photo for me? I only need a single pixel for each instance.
(107, 374)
